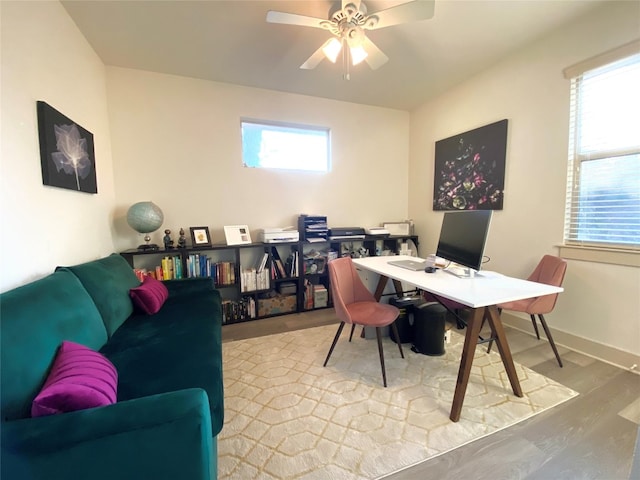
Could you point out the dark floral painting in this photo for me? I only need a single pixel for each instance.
(66, 152)
(469, 169)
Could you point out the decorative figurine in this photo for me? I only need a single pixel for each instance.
(182, 240)
(168, 243)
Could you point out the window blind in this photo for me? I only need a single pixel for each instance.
(603, 187)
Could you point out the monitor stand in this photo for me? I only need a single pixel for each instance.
(461, 272)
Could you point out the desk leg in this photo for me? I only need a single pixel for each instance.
(382, 283)
(468, 351)
(470, 342)
(397, 284)
(503, 347)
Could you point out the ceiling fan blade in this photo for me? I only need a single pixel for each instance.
(413, 11)
(295, 19)
(317, 56)
(375, 57)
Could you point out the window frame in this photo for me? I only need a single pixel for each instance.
(614, 253)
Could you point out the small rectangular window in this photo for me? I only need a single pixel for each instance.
(285, 146)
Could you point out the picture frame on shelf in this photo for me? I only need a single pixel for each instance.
(398, 228)
(200, 236)
(237, 234)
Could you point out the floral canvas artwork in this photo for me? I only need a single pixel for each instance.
(469, 169)
(66, 152)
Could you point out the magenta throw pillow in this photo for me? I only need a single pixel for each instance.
(79, 378)
(150, 296)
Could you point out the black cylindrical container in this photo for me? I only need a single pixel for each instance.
(403, 322)
(428, 329)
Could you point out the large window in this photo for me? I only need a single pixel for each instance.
(603, 191)
(285, 146)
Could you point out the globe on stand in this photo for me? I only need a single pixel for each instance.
(145, 217)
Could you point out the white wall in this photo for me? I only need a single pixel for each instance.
(44, 57)
(176, 141)
(601, 302)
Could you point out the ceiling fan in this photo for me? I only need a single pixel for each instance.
(348, 20)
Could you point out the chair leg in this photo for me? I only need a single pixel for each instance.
(353, 327)
(550, 338)
(335, 340)
(535, 325)
(397, 335)
(384, 373)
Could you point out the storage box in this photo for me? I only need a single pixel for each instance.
(320, 296)
(287, 288)
(276, 305)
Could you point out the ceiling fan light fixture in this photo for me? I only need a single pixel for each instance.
(358, 54)
(332, 49)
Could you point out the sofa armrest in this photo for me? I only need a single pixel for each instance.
(163, 436)
(190, 286)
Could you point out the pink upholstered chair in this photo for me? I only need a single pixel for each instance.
(356, 305)
(551, 271)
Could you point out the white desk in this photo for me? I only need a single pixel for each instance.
(481, 293)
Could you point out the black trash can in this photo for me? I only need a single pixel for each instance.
(428, 329)
(403, 322)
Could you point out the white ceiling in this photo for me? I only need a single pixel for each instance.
(230, 41)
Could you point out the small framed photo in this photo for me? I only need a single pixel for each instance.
(398, 228)
(200, 236)
(237, 234)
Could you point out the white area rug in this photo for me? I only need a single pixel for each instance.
(288, 417)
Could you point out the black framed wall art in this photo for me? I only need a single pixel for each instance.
(470, 168)
(66, 152)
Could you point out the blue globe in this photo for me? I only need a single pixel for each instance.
(145, 217)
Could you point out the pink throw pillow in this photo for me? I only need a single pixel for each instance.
(80, 378)
(150, 296)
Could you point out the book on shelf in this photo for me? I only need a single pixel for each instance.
(200, 265)
(308, 295)
(278, 261)
(170, 268)
(238, 310)
(291, 264)
(263, 262)
(252, 280)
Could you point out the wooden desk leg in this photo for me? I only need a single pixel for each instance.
(382, 283)
(503, 347)
(470, 342)
(397, 284)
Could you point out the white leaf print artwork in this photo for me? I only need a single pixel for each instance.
(72, 157)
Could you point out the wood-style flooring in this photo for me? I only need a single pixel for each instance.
(591, 437)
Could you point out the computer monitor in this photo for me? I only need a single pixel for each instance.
(463, 236)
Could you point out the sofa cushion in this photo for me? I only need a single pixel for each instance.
(177, 348)
(79, 378)
(36, 318)
(108, 281)
(150, 296)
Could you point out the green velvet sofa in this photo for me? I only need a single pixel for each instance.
(169, 405)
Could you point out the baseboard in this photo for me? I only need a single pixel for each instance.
(614, 356)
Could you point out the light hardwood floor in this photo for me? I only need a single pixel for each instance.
(592, 436)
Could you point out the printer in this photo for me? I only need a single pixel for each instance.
(341, 233)
(278, 235)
